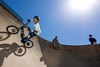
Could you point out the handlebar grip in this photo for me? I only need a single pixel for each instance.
(28, 20)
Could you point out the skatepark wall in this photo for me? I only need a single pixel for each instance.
(6, 19)
(70, 56)
(12, 52)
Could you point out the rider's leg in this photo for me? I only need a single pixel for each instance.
(31, 34)
(28, 37)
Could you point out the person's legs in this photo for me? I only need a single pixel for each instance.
(31, 34)
(94, 42)
(28, 37)
(58, 45)
(54, 45)
(91, 42)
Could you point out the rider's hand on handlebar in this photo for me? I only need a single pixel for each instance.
(28, 20)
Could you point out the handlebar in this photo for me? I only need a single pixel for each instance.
(25, 26)
(28, 21)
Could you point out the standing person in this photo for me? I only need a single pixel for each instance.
(55, 42)
(36, 30)
(92, 40)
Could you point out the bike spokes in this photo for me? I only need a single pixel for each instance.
(12, 29)
(29, 44)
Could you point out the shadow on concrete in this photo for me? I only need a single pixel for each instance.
(7, 49)
(69, 56)
(4, 36)
(46, 49)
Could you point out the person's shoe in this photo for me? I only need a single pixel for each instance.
(25, 39)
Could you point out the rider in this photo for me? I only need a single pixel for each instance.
(36, 30)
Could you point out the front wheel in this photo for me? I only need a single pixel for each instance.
(29, 44)
(12, 29)
(4, 36)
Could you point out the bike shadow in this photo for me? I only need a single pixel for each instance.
(7, 49)
(4, 35)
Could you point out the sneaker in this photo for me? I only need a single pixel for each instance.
(25, 39)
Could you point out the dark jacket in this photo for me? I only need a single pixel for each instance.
(92, 40)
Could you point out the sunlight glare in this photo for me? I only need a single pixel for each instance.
(81, 4)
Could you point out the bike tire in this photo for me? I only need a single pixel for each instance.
(14, 29)
(4, 38)
(19, 51)
(29, 44)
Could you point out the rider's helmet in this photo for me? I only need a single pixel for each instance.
(90, 35)
(37, 18)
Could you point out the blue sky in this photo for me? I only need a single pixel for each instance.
(71, 27)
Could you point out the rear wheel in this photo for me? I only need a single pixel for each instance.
(4, 36)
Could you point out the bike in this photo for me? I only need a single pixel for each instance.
(4, 36)
(12, 29)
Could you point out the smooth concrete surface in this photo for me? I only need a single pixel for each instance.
(31, 58)
(10, 44)
(70, 56)
(43, 54)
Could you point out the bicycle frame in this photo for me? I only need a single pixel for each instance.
(14, 30)
(22, 29)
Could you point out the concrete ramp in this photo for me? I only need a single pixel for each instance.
(70, 56)
(30, 57)
(43, 54)
(11, 52)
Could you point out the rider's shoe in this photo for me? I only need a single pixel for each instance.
(24, 40)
